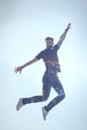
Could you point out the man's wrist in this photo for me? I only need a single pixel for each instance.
(66, 29)
(23, 66)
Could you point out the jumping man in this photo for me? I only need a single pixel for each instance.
(50, 77)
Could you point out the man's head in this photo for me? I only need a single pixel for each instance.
(49, 42)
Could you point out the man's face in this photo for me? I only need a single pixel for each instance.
(49, 44)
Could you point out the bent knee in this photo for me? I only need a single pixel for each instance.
(44, 98)
(62, 95)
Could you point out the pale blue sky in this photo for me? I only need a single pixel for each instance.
(24, 24)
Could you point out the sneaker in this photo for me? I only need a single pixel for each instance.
(19, 105)
(45, 113)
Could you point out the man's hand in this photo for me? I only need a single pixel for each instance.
(68, 27)
(18, 69)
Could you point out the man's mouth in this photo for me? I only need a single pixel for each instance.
(49, 46)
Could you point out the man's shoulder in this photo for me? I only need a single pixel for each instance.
(56, 46)
(44, 50)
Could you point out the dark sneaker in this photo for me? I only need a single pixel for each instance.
(19, 105)
(45, 113)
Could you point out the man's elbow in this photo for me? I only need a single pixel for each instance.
(60, 43)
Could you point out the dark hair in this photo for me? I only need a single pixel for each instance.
(49, 38)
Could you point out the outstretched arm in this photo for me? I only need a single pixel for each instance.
(20, 68)
(62, 37)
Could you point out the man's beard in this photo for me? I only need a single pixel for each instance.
(49, 47)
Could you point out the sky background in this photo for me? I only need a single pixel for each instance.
(24, 24)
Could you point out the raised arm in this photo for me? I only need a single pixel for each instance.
(62, 37)
(20, 68)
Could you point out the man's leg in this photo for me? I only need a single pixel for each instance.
(45, 94)
(61, 95)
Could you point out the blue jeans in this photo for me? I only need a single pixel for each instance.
(49, 81)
